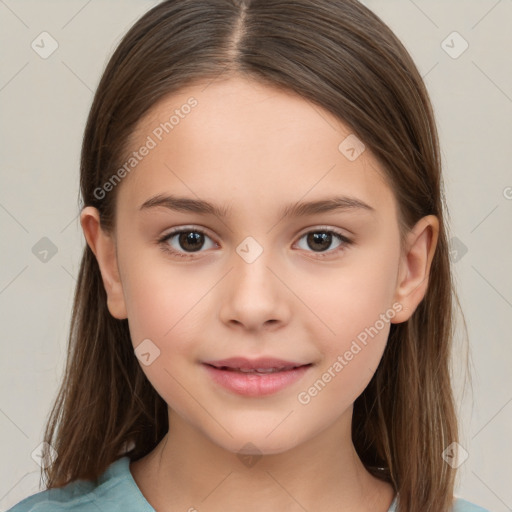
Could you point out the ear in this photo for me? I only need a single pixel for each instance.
(414, 267)
(103, 246)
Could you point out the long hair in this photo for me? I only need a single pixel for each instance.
(340, 56)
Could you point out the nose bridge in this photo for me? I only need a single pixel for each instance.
(255, 295)
(251, 261)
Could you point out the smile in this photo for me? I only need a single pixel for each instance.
(255, 381)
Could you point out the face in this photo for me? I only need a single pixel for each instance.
(317, 286)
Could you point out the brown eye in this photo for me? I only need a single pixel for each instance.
(191, 240)
(185, 242)
(320, 241)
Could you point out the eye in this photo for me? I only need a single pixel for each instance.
(184, 242)
(321, 239)
(187, 242)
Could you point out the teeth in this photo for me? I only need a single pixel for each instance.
(260, 370)
(256, 370)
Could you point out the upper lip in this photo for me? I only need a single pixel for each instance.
(243, 363)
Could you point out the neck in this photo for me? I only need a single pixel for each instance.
(187, 470)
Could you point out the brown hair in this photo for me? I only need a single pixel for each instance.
(342, 57)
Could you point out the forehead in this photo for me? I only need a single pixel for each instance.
(239, 138)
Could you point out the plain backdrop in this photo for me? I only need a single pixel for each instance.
(44, 103)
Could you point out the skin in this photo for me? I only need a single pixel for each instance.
(289, 303)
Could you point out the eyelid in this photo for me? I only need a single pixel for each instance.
(187, 227)
(190, 228)
(163, 244)
(200, 229)
(319, 227)
(345, 241)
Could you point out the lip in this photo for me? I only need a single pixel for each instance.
(227, 374)
(242, 363)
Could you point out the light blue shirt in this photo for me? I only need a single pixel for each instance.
(117, 491)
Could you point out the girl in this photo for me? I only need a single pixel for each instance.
(263, 317)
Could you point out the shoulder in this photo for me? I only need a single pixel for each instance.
(114, 491)
(460, 505)
(67, 498)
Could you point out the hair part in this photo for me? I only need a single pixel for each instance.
(340, 56)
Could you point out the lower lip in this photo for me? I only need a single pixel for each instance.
(256, 384)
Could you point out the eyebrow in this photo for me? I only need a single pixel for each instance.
(329, 204)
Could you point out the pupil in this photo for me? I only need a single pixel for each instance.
(191, 239)
(320, 238)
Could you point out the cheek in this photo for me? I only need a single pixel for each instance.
(349, 356)
(164, 308)
(353, 298)
(355, 309)
(161, 304)
(158, 292)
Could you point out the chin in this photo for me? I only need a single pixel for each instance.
(256, 445)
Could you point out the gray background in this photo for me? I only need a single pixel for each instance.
(44, 103)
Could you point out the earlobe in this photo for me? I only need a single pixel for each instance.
(414, 269)
(103, 246)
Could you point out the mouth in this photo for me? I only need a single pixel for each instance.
(261, 364)
(262, 371)
(255, 378)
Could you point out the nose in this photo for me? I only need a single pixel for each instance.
(254, 296)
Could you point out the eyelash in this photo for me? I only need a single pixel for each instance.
(163, 242)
